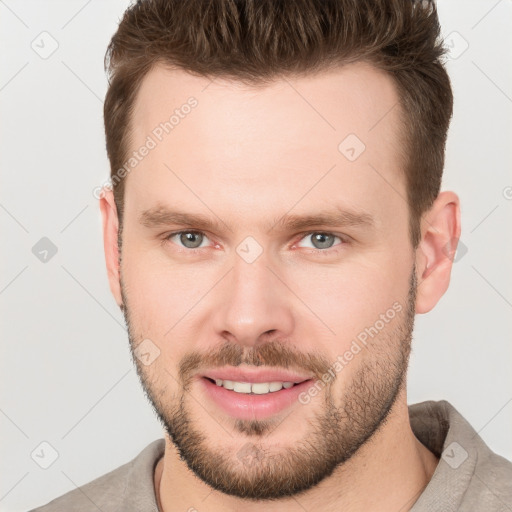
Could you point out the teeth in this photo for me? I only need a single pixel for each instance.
(257, 388)
(242, 387)
(276, 386)
(228, 384)
(261, 388)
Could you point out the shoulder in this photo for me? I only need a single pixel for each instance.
(128, 486)
(470, 476)
(491, 482)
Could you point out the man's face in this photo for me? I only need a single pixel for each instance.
(249, 294)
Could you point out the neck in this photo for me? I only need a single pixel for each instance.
(388, 473)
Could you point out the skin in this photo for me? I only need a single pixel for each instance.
(246, 157)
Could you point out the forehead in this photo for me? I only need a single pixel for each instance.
(354, 98)
(218, 139)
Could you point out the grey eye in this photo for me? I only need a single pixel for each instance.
(191, 239)
(322, 240)
(319, 240)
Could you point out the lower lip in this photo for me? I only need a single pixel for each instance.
(246, 406)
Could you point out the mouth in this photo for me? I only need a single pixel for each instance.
(254, 395)
(254, 388)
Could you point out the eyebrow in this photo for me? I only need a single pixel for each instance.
(160, 216)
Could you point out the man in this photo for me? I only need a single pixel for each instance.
(275, 223)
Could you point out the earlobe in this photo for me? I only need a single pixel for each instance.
(110, 234)
(440, 232)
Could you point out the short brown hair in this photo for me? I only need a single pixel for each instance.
(258, 41)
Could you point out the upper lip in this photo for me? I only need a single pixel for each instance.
(255, 375)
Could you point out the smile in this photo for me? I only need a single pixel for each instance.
(252, 395)
(255, 388)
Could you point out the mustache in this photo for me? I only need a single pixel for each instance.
(271, 354)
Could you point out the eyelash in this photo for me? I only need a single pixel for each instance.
(329, 251)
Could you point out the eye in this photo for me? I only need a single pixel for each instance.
(192, 240)
(321, 240)
(188, 239)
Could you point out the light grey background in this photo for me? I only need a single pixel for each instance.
(67, 377)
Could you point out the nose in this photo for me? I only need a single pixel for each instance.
(253, 304)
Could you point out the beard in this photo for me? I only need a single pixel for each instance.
(334, 435)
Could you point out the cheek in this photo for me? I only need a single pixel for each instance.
(162, 296)
(350, 298)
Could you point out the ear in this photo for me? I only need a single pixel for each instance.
(440, 233)
(110, 232)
